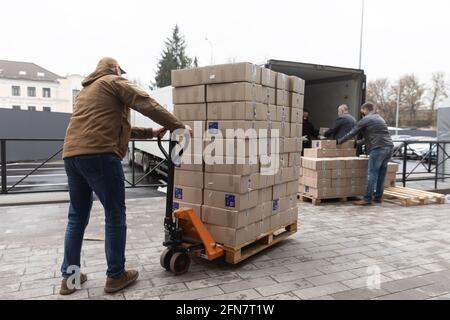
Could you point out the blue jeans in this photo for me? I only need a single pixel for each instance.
(102, 174)
(378, 164)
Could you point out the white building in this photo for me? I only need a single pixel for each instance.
(27, 86)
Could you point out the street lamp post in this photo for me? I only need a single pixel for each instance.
(362, 33)
(397, 116)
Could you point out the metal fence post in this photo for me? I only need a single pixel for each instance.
(133, 165)
(405, 162)
(436, 174)
(3, 163)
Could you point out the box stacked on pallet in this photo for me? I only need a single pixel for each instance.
(239, 198)
(333, 171)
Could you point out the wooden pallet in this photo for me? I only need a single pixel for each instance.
(317, 202)
(408, 197)
(238, 254)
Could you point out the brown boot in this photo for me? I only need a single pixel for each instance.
(64, 291)
(128, 277)
(362, 203)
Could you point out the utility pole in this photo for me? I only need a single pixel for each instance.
(397, 116)
(362, 33)
(212, 50)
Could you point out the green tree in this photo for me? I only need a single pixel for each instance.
(173, 57)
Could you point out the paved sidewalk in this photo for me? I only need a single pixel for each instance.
(329, 258)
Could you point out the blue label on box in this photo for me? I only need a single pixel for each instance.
(176, 206)
(213, 127)
(275, 205)
(230, 201)
(178, 193)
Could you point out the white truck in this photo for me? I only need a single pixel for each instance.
(326, 88)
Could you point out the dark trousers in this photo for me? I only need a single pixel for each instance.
(102, 174)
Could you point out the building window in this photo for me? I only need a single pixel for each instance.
(31, 91)
(16, 91)
(48, 109)
(16, 107)
(31, 108)
(46, 92)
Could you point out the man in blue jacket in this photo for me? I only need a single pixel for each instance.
(379, 145)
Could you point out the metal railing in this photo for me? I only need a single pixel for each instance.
(432, 162)
(136, 181)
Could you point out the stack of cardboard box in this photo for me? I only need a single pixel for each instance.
(237, 195)
(331, 171)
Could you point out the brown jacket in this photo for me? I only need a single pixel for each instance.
(100, 122)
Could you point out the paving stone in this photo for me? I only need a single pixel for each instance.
(193, 294)
(209, 282)
(331, 277)
(284, 287)
(413, 294)
(247, 284)
(151, 292)
(359, 294)
(238, 295)
(296, 275)
(282, 296)
(406, 273)
(320, 291)
(405, 284)
(252, 274)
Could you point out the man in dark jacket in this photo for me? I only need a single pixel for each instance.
(379, 145)
(343, 124)
(96, 141)
(309, 132)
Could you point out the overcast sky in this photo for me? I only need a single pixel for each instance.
(400, 36)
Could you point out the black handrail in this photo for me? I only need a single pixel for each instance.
(4, 168)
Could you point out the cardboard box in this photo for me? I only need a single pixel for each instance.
(341, 173)
(190, 111)
(296, 131)
(357, 172)
(322, 130)
(294, 215)
(292, 145)
(275, 221)
(282, 81)
(346, 153)
(237, 91)
(320, 153)
(272, 113)
(283, 114)
(279, 191)
(241, 166)
(292, 187)
(296, 115)
(296, 100)
(266, 181)
(236, 72)
(285, 130)
(285, 203)
(316, 183)
(347, 145)
(322, 164)
(192, 167)
(191, 162)
(295, 159)
(293, 202)
(231, 183)
(323, 193)
(215, 128)
(230, 218)
(192, 179)
(355, 191)
(237, 111)
(285, 217)
(356, 163)
(228, 149)
(262, 227)
(393, 167)
(184, 205)
(324, 144)
(269, 95)
(185, 95)
(264, 195)
(296, 84)
(282, 98)
(188, 194)
(268, 78)
(317, 174)
(228, 200)
(232, 237)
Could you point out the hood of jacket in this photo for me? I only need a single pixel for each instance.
(104, 68)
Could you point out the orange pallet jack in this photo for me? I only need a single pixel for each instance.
(184, 232)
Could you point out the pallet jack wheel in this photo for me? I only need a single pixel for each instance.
(179, 263)
(166, 255)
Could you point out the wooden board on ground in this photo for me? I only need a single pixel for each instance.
(317, 202)
(408, 197)
(239, 254)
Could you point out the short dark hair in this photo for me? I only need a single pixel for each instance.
(369, 106)
(305, 110)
